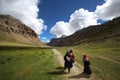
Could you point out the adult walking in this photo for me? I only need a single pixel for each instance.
(86, 64)
(69, 59)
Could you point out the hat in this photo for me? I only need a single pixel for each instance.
(85, 55)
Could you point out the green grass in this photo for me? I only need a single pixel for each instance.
(28, 63)
(10, 38)
(105, 69)
(13, 44)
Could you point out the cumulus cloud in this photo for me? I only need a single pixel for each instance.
(45, 40)
(79, 19)
(24, 10)
(109, 10)
(83, 18)
(61, 28)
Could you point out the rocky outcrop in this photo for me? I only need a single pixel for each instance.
(95, 33)
(10, 24)
(16, 30)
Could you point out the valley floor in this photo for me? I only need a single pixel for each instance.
(76, 71)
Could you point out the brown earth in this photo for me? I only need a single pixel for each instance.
(96, 33)
(13, 30)
(77, 70)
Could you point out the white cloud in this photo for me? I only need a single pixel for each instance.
(24, 10)
(79, 19)
(109, 10)
(83, 18)
(61, 28)
(45, 40)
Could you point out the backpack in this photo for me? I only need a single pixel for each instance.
(72, 58)
(65, 56)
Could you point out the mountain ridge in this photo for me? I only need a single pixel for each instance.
(13, 30)
(96, 33)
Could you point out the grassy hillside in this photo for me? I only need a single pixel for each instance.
(28, 63)
(104, 57)
(96, 33)
(13, 30)
(16, 38)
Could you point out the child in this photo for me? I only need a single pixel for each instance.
(86, 64)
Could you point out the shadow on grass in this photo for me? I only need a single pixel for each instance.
(81, 75)
(21, 47)
(58, 71)
(59, 68)
(2, 62)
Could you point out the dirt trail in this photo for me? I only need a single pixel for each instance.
(76, 72)
(110, 60)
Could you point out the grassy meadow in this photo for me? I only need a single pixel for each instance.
(104, 57)
(28, 63)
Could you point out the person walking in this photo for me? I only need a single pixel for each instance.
(69, 59)
(86, 64)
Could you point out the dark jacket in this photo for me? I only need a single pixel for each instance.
(87, 67)
(68, 63)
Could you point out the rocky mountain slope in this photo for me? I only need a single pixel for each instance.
(13, 30)
(96, 33)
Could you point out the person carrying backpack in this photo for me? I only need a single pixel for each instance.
(69, 59)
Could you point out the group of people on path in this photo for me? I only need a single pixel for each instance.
(69, 59)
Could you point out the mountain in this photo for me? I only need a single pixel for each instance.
(96, 33)
(14, 31)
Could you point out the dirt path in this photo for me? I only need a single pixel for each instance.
(110, 60)
(76, 71)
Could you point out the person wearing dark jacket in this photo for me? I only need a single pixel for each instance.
(69, 60)
(86, 65)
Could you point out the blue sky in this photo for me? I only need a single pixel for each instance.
(54, 18)
(60, 10)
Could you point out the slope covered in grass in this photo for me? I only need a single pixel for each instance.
(28, 63)
(104, 57)
(14, 31)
